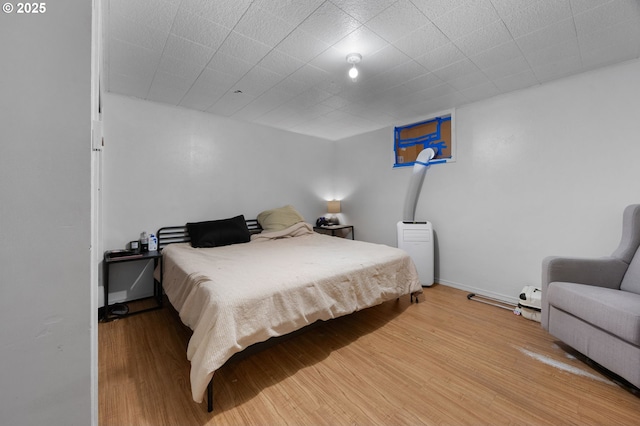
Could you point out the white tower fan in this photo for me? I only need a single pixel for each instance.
(416, 237)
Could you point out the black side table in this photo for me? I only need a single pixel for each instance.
(331, 229)
(118, 256)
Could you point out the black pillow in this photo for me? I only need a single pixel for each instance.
(215, 233)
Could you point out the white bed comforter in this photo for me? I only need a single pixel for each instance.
(238, 295)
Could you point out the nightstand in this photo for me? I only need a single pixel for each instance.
(331, 230)
(119, 256)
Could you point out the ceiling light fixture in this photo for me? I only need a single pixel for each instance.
(353, 59)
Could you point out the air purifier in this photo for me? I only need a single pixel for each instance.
(416, 237)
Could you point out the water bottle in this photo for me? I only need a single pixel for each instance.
(144, 242)
(153, 243)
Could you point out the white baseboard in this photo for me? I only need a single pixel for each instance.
(481, 292)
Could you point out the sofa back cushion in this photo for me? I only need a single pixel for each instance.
(631, 280)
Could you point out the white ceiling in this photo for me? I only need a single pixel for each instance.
(282, 63)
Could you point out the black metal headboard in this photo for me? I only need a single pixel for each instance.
(180, 234)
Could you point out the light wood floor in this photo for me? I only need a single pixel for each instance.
(445, 360)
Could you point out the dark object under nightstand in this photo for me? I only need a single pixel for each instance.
(331, 230)
(120, 256)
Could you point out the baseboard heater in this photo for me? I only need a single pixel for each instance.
(491, 301)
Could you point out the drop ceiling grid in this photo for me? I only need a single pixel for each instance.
(419, 56)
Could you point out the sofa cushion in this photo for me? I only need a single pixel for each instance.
(615, 311)
(631, 279)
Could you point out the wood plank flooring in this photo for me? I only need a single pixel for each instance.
(445, 360)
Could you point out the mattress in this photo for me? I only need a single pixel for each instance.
(237, 295)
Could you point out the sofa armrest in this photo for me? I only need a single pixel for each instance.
(602, 272)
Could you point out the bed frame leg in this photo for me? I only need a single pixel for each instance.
(210, 396)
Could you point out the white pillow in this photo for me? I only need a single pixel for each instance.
(280, 218)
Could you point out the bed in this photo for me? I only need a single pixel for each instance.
(235, 295)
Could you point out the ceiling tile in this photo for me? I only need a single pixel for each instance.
(510, 7)
(484, 38)
(310, 98)
(132, 60)
(433, 9)
(252, 111)
(538, 15)
(223, 12)
(469, 80)
(579, 6)
(397, 21)
(292, 86)
(614, 37)
(244, 48)
(422, 96)
(215, 78)
(547, 36)
(156, 14)
(289, 56)
(186, 70)
(201, 100)
(329, 23)
(432, 105)
(334, 61)
(280, 63)
(302, 46)
(199, 30)
(362, 41)
(457, 70)
(421, 41)
(207, 89)
(383, 60)
(498, 55)
(392, 95)
(441, 57)
(501, 70)
(123, 29)
(262, 105)
(293, 11)
(188, 51)
(467, 18)
(284, 116)
(423, 82)
(257, 81)
(312, 112)
(517, 81)
(364, 110)
(546, 71)
(309, 75)
(363, 10)
(608, 55)
(230, 103)
(480, 92)
(129, 85)
(335, 102)
(335, 87)
(260, 25)
(607, 15)
(554, 53)
(229, 64)
(168, 88)
(400, 74)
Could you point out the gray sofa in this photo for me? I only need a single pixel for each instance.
(593, 305)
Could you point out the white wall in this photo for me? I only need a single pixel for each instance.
(45, 117)
(167, 166)
(543, 171)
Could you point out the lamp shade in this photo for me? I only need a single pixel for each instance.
(333, 206)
